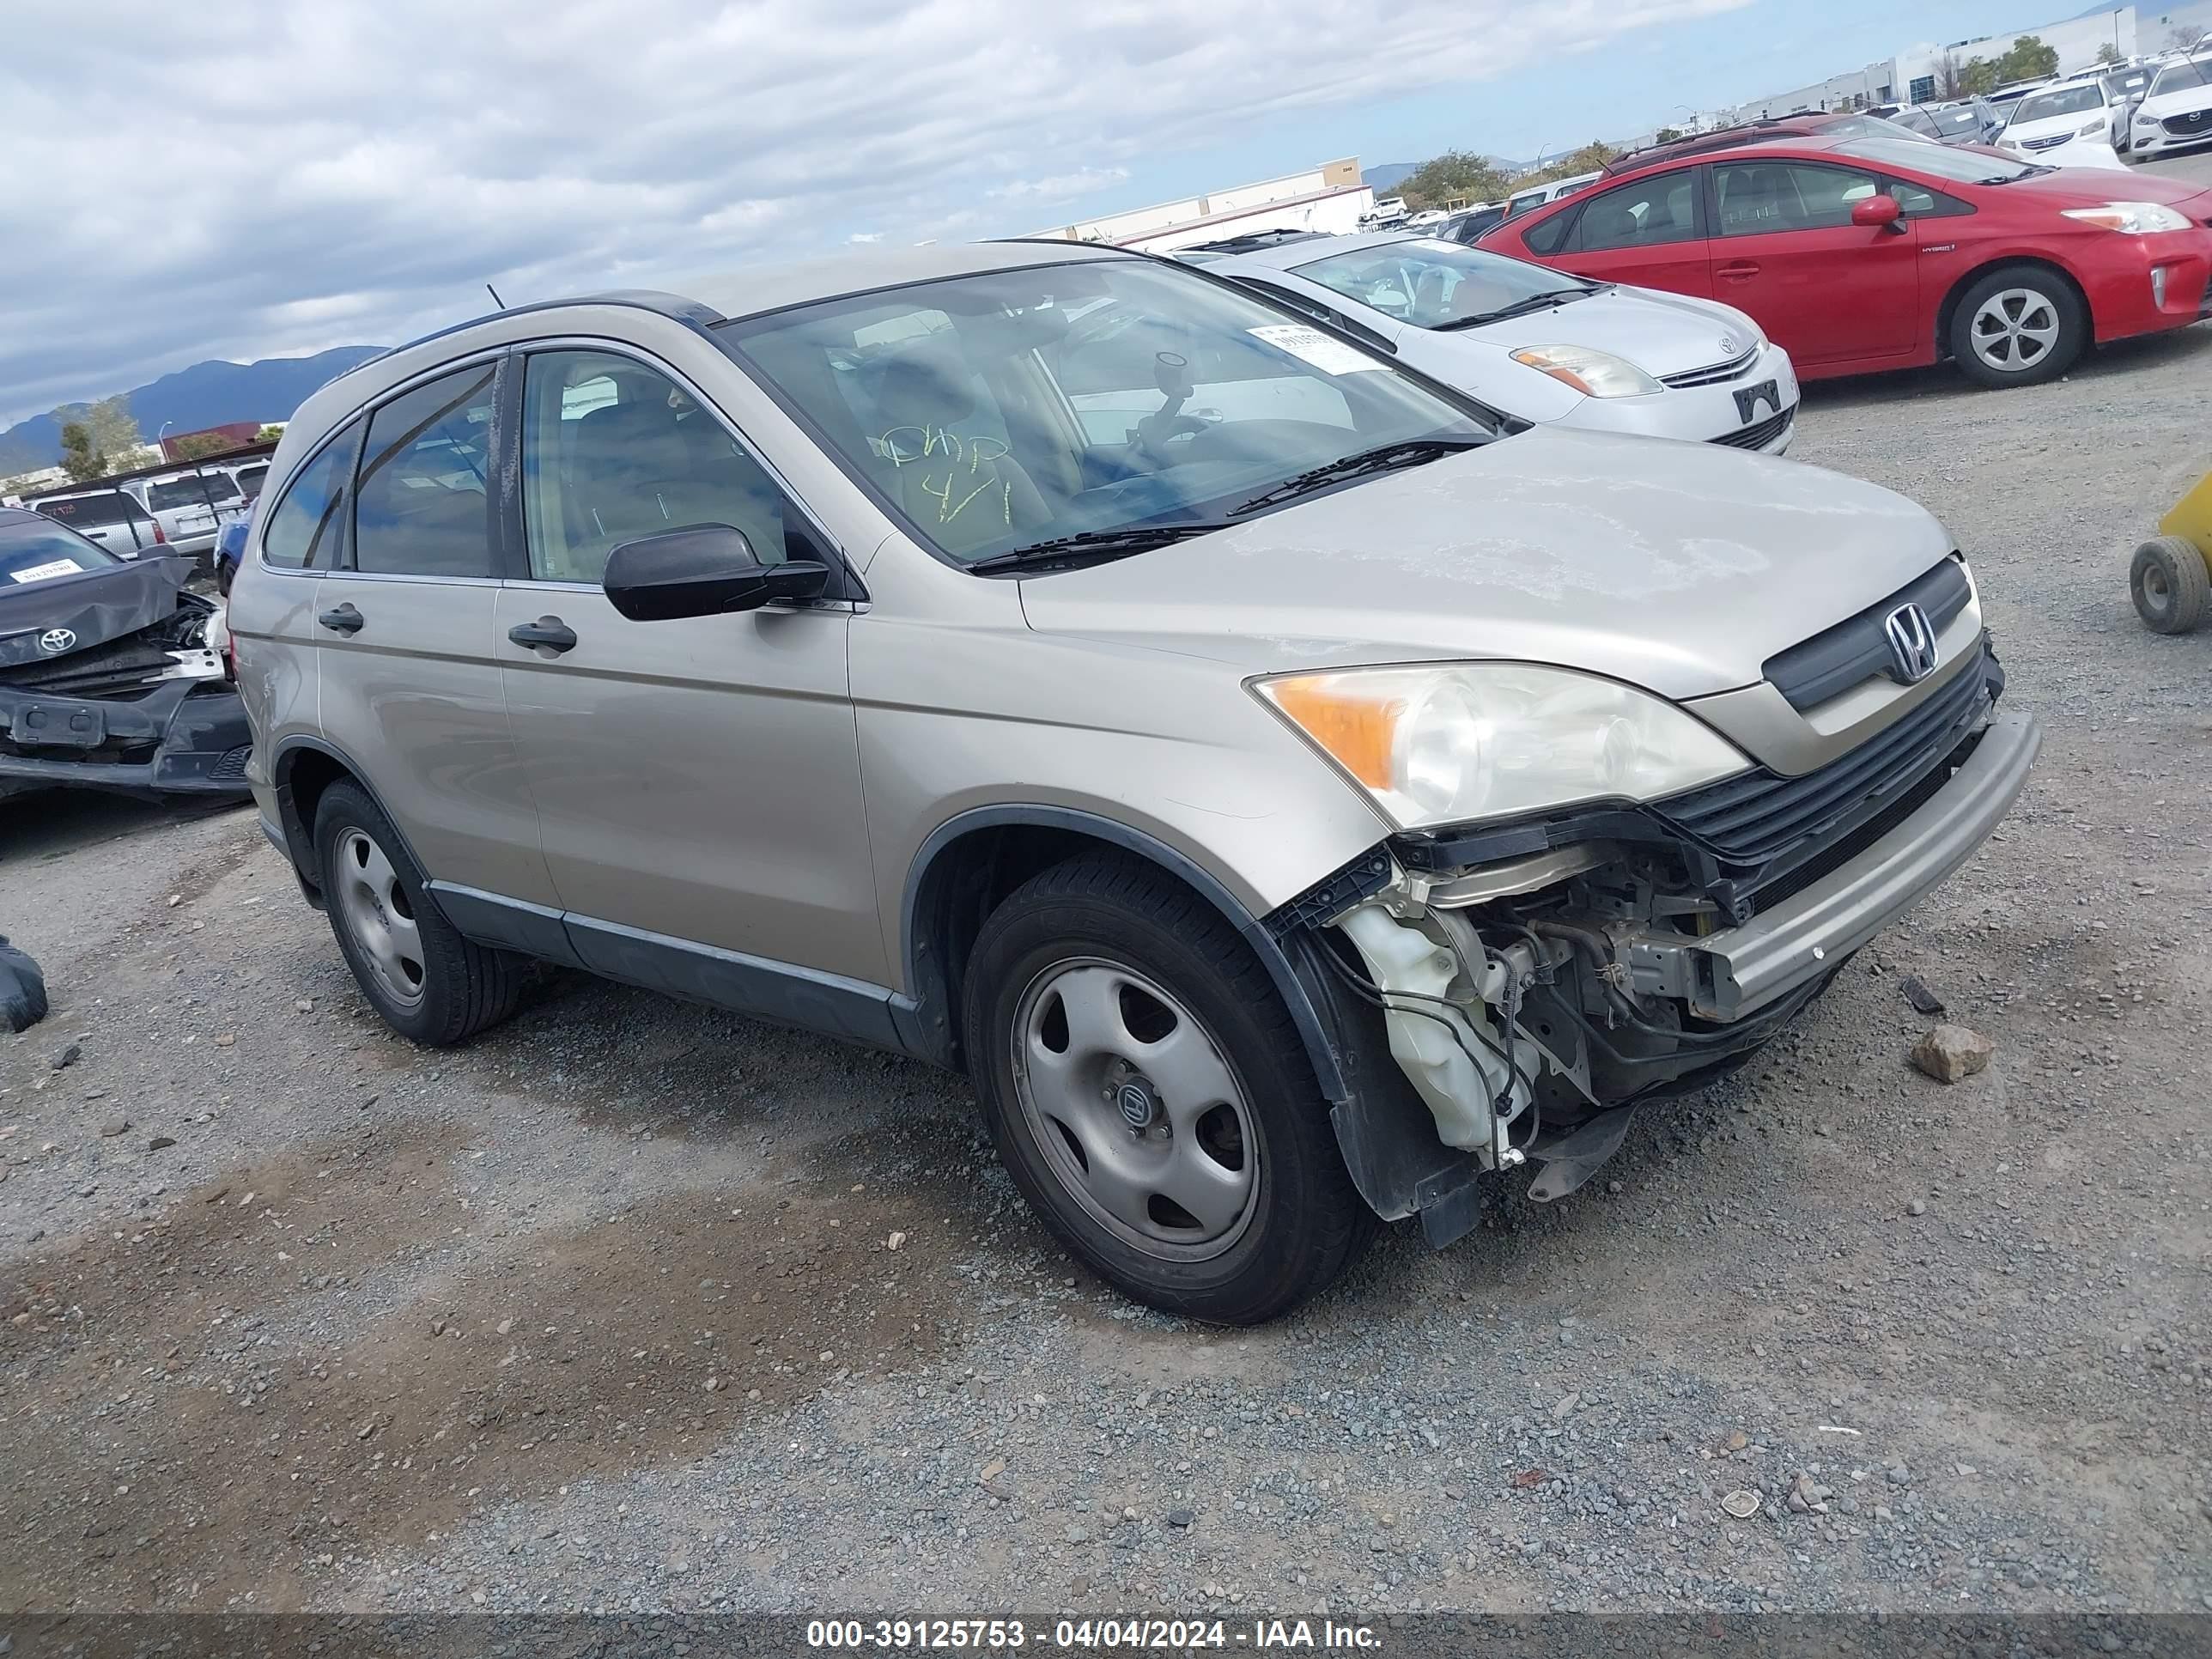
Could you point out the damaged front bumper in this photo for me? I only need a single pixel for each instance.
(1527, 1004)
(1732, 974)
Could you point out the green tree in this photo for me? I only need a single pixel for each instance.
(1979, 77)
(109, 428)
(2108, 53)
(1666, 136)
(1588, 159)
(1457, 175)
(80, 457)
(268, 434)
(2029, 59)
(198, 446)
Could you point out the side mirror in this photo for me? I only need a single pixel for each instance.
(702, 570)
(1878, 213)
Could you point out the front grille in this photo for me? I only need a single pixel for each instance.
(231, 769)
(1713, 374)
(1759, 434)
(1759, 818)
(121, 668)
(1848, 845)
(2188, 125)
(1836, 659)
(2046, 144)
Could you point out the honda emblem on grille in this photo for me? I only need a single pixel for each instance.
(55, 641)
(1911, 643)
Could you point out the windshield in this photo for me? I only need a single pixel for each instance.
(31, 550)
(996, 412)
(1965, 119)
(2182, 76)
(2087, 99)
(186, 492)
(1428, 282)
(110, 507)
(1963, 167)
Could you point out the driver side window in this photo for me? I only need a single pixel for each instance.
(613, 451)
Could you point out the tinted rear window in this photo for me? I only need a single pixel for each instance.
(33, 551)
(186, 492)
(112, 506)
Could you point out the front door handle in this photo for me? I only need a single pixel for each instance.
(547, 632)
(1739, 270)
(344, 620)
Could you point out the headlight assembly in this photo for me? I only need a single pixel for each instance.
(1448, 741)
(2129, 218)
(1594, 372)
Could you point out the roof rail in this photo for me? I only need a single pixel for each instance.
(1728, 138)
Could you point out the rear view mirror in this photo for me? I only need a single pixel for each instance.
(702, 570)
(1878, 212)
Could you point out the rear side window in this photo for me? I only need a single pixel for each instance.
(1649, 213)
(109, 507)
(422, 507)
(307, 526)
(1758, 197)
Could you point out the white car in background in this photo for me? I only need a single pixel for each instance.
(191, 507)
(1536, 196)
(2075, 123)
(1541, 344)
(2176, 112)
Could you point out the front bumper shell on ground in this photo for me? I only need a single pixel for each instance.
(198, 735)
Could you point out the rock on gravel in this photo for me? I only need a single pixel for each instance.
(1948, 1053)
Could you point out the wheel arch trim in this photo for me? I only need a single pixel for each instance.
(299, 835)
(1297, 994)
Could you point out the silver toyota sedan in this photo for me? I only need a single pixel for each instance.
(1540, 343)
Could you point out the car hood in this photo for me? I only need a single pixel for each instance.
(1657, 333)
(91, 608)
(1677, 566)
(2053, 126)
(2184, 102)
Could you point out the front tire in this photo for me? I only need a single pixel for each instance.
(430, 983)
(2170, 584)
(1149, 1093)
(2018, 326)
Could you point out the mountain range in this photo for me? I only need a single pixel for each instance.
(206, 394)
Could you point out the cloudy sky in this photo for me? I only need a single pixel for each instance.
(259, 178)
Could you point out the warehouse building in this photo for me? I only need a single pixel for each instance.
(1328, 198)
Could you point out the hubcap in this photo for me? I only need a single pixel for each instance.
(1135, 1108)
(2015, 330)
(379, 917)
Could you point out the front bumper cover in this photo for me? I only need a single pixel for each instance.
(1732, 974)
(183, 737)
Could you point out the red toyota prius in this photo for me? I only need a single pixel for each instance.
(1862, 254)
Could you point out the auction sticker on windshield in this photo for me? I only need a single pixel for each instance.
(1311, 345)
(38, 572)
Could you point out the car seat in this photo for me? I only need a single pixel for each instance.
(964, 490)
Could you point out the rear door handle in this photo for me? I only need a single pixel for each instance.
(344, 620)
(548, 632)
(1739, 270)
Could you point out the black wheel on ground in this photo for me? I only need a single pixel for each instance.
(428, 982)
(2019, 325)
(1148, 1091)
(2171, 584)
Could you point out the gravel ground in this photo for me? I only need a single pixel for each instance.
(612, 1310)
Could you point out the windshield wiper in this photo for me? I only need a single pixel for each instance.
(1544, 301)
(1094, 544)
(1413, 452)
(2028, 170)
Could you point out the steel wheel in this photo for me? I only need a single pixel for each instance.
(1139, 1114)
(2015, 330)
(378, 914)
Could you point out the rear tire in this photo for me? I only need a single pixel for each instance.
(2018, 327)
(1099, 984)
(430, 984)
(2170, 584)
